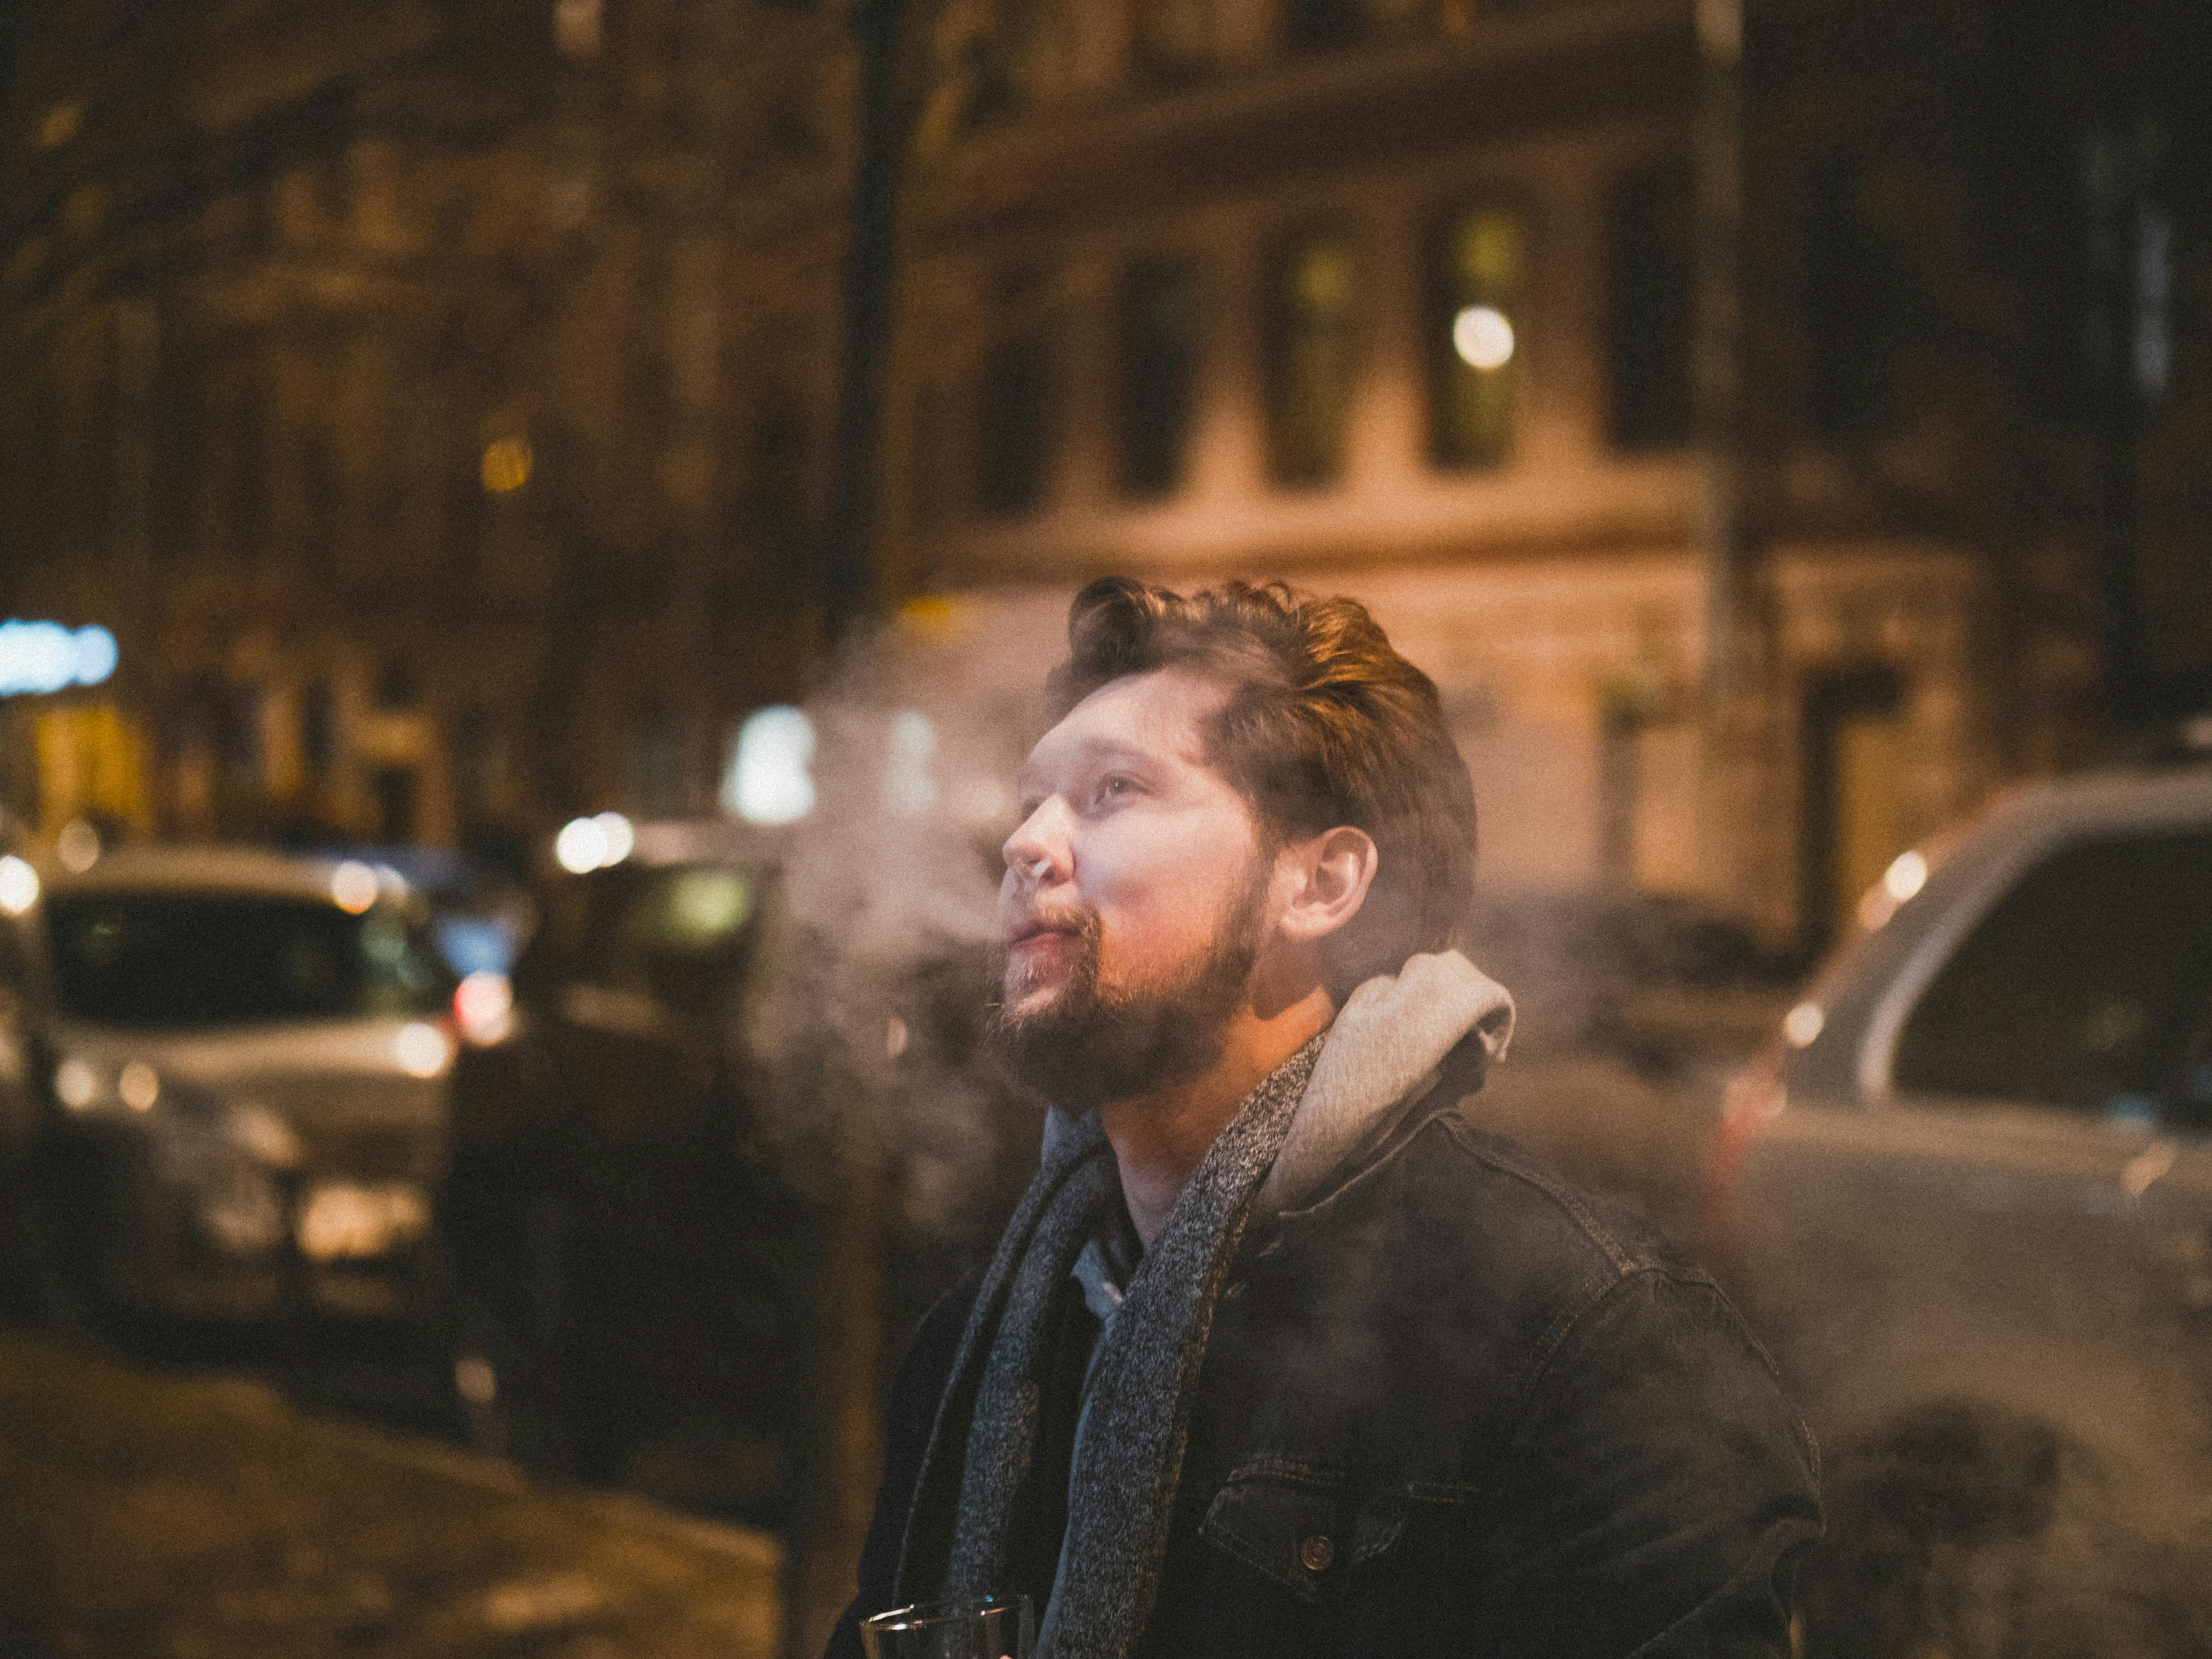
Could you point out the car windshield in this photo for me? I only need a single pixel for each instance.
(202, 959)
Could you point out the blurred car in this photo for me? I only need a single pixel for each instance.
(639, 1205)
(1969, 1184)
(246, 1057)
(480, 916)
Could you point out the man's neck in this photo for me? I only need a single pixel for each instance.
(1159, 1136)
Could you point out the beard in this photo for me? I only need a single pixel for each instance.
(1097, 1041)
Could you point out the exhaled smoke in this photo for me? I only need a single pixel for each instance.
(885, 940)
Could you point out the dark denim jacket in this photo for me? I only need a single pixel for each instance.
(1453, 1406)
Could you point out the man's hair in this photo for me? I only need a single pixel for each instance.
(1324, 725)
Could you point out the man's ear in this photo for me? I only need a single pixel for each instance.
(1328, 878)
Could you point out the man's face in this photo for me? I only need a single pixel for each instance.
(1135, 894)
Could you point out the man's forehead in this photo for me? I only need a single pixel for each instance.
(1161, 714)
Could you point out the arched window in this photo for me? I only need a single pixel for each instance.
(1312, 304)
(1851, 303)
(1475, 337)
(1158, 329)
(1652, 302)
(1017, 435)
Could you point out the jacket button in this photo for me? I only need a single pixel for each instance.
(1317, 1552)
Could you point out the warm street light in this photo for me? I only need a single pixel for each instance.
(1483, 336)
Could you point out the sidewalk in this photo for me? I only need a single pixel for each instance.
(157, 1518)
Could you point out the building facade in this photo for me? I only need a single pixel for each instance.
(432, 400)
(1403, 300)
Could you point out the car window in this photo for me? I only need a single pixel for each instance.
(197, 959)
(2080, 987)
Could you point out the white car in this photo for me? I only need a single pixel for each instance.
(1970, 1182)
(248, 1055)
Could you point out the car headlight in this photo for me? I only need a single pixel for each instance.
(76, 1084)
(343, 1218)
(84, 1086)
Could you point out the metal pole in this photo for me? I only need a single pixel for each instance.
(1718, 386)
(848, 575)
(2115, 204)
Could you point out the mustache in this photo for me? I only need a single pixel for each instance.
(1078, 920)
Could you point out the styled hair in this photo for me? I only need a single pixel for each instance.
(1324, 725)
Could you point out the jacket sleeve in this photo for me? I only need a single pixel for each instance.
(1658, 1493)
(909, 1416)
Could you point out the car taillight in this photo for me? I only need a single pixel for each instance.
(483, 1007)
(1755, 1098)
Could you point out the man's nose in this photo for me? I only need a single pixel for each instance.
(1035, 852)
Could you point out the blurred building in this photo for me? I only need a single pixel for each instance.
(435, 400)
(432, 399)
(1402, 298)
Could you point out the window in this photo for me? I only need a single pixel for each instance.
(319, 728)
(774, 504)
(1159, 341)
(1313, 294)
(1017, 418)
(1474, 344)
(1852, 306)
(2082, 988)
(1315, 25)
(1649, 230)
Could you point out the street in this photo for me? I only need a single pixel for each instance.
(199, 1515)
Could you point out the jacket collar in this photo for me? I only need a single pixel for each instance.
(1384, 1051)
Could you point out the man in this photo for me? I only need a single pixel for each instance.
(1279, 1355)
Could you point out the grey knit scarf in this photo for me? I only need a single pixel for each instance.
(1122, 1493)
(1304, 1119)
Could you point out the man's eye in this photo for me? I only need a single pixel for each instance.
(1109, 788)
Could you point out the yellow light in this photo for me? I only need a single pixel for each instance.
(1804, 1025)
(19, 885)
(421, 1049)
(1483, 337)
(140, 1085)
(581, 845)
(353, 886)
(344, 1219)
(60, 125)
(78, 847)
(1906, 875)
(507, 463)
(622, 837)
(76, 1084)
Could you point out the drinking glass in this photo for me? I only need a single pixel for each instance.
(992, 1627)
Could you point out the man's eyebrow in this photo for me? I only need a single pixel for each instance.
(1090, 750)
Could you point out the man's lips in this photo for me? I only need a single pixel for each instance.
(1031, 933)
